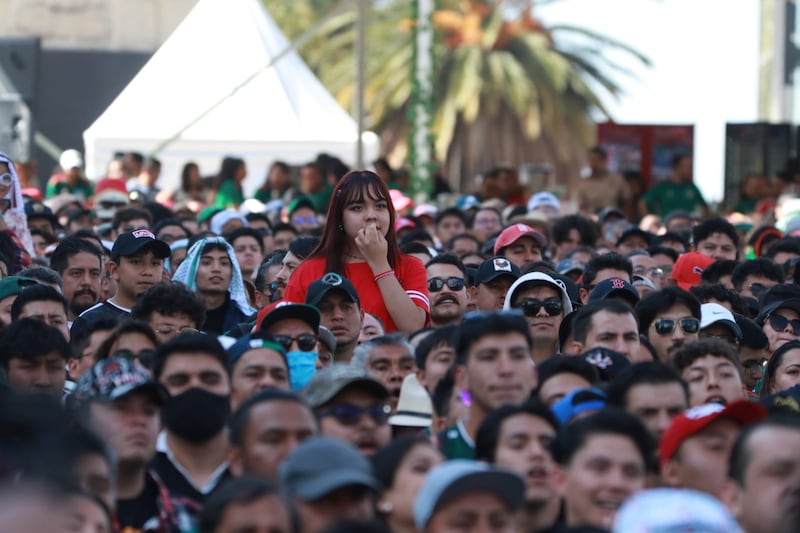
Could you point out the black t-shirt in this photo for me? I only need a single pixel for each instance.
(134, 513)
(102, 310)
(215, 318)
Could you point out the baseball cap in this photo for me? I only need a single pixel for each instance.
(609, 362)
(688, 268)
(399, 200)
(543, 199)
(674, 509)
(533, 279)
(332, 380)
(610, 212)
(330, 281)
(635, 231)
(780, 296)
(70, 159)
(254, 341)
(513, 233)
(696, 419)
(36, 209)
(429, 210)
(13, 285)
(414, 407)
(137, 240)
(115, 377)
(613, 287)
(286, 310)
(321, 465)
(565, 266)
(714, 313)
(454, 478)
(327, 338)
(493, 268)
(578, 401)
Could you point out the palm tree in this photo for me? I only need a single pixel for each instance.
(508, 89)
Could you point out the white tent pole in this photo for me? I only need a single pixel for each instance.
(361, 61)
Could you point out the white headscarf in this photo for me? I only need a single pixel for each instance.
(15, 217)
(187, 272)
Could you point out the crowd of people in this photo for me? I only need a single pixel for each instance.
(329, 357)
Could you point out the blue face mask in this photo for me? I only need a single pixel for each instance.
(302, 366)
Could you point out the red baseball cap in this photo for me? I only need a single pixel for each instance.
(696, 419)
(513, 233)
(688, 269)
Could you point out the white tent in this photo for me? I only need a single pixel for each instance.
(213, 89)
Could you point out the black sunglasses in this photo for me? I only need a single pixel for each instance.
(348, 414)
(454, 284)
(666, 326)
(531, 307)
(306, 342)
(145, 357)
(779, 323)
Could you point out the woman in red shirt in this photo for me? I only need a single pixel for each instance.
(359, 242)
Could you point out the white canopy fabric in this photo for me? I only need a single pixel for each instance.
(282, 112)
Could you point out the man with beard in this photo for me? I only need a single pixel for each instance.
(519, 438)
(544, 302)
(338, 303)
(669, 318)
(389, 359)
(447, 289)
(80, 265)
(493, 363)
(195, 370)
(137, 263)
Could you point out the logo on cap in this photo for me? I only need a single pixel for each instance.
(617, 283)
(600, 360)
(702, 411)
(697, 270)
(332, 278)
(143, 233)
(501, 263)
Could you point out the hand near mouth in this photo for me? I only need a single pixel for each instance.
(372, 244)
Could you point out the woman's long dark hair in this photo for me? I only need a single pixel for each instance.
(228, 170)
(354, 186)
(186, 185)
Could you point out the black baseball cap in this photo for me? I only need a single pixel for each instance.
(137, 240)
(634, 230)
(330, 281)
(494, 267)
(613, 287)
(286, 310)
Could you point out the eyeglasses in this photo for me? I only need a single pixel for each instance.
(730, 339)
(666, 326)
(454, 284)
(349, 414)
(306, 342)
(304, 220)
(6, 178)
(757, 289)
(779, 323)
(171, 330)
(654, 272)
(145, 357)
(531, 307)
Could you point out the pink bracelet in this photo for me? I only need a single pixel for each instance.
(384, 275)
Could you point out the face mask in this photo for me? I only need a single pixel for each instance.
(302, 366)
(196, 415)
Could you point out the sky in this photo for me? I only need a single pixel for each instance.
(704, 71)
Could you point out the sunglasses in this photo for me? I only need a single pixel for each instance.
(349, 414)
(666, 326)
(145, 357)
(454, 284)
(306, 342)
(779, 323)
(531, 307)
(304, 220)
(6, 178)
(171, 330)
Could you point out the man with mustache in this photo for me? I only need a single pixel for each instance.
(80, 265)
(447, 290)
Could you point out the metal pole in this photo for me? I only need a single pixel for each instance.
(361, 61)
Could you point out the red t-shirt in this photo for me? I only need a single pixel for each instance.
(410, 273)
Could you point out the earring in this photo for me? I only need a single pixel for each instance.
(341, 228)
(386, 507)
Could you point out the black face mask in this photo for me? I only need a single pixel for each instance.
(196, 415)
